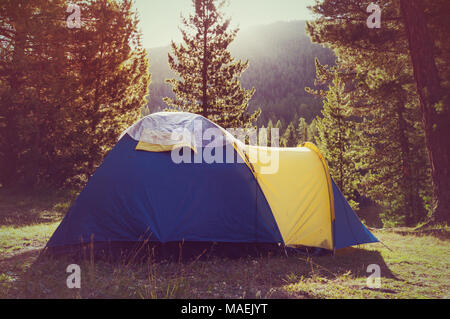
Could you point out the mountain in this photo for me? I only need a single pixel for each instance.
(281, 58)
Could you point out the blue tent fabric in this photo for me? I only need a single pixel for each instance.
(138, 195)
(348, 229)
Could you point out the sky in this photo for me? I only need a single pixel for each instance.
(160, 19)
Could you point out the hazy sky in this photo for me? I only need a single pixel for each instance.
(160, 19)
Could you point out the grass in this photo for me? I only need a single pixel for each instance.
(416, 265)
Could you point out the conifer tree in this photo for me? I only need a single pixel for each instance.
(279, 125)
(302, 131)
(313, 132)
(208, 82)
(289, 138)
(336, 139)
(113, 72)
(396, 173)
(269, 133)
(262, 136)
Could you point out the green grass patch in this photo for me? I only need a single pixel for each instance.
(15, 239)
(34, 207)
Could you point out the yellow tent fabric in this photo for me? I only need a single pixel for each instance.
(296, 184)
(152, 140)
(150, 147)
(314, 148)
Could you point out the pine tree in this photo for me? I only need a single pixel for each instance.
(289, 138)
(302, 131)
(398, 173)
(113, 72)
(313, 132)
(336, 140)
(269, 133)
(208, 82)
(262, 136)
(279, 125)
(395, 176)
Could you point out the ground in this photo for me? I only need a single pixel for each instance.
(412, 264)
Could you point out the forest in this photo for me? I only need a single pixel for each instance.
(373, 99)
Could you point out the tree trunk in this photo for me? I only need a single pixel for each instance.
(9, 169)
(437, 129)
(411, 193)
(205, 73)
(205, 61)
(13, 102)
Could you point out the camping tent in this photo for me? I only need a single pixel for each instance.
(176, 176)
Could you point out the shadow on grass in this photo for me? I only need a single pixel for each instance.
(371, 214)
(215, 277)
(33, 207)
(442, 233)
(356, 260)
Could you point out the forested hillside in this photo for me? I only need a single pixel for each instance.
(281, 64)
